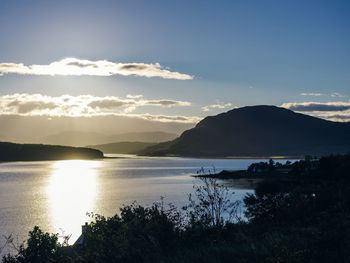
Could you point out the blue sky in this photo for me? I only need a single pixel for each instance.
(238, 52)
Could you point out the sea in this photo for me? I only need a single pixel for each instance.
(58, 196)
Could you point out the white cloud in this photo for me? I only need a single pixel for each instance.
(131, 96)
(80, 67)
(312, 94)
(337, 95)
(334, 94)
(169, 118)
(334, 111)
(317, 106)
(87, 106)
(217, 106)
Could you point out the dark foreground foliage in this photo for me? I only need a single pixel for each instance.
(305, 220)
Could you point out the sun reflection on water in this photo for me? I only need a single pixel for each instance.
(72, 191)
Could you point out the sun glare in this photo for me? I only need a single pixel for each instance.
(71, 192)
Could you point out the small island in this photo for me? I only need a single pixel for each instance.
(41, 152)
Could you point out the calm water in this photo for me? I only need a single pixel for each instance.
(56, 195)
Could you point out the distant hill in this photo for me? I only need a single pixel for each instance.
(154, 137)
(259, 131)
(73, 138)
(122, 147)
(24, 129)
(35, 152)
(79, 138)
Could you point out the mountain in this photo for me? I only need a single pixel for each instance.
(258, 131)
(79, 138)
(73, 138)
(154, 137)
(33, 129)
(35, 152)
(122, 147)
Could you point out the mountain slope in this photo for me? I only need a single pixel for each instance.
(73, 138)
(122, 147)
(35, 152)
(259, 131)
(154, 137)
(79, 138)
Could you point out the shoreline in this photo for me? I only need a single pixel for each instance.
(147, 156)
(229, 157)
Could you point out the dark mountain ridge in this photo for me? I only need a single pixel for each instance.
(81, 138)
(35, 152)
(122, 147)
(259, 131)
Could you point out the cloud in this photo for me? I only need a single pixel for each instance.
(312, 94)
(219, 106)
(110, 103)
(334, 111)
(334, 94)
(167, 118)
(87, 106)
(337, 95)
(30, 106)
(83, 67)
(317, 106)
(165, 103)
(130, 96)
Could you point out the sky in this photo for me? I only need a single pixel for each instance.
(173, 61)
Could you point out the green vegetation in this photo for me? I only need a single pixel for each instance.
(34, 152)
(305, 220)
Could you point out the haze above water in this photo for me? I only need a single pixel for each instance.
(56, 195)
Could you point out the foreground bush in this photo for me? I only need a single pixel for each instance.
(41, 247)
